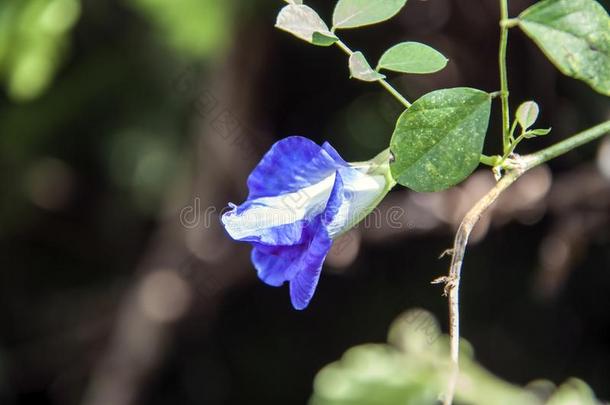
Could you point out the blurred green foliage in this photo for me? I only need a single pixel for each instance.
(143, 162)
(196, 28)
(48, 116)
(34, 37)
(415, 367)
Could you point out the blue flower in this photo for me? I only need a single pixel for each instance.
(301, 197)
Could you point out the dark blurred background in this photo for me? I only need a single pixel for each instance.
(127, 125)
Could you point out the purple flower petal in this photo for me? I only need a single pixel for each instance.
(299, 264)
(304, 283)
(264, 231)
(337, 196)
(277, 264)
(279, 220)
(290, 165)
(334, 154)
(359, 192)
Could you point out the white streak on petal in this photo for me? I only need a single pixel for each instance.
(361, 192)
(270, 212)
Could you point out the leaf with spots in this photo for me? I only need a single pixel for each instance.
(304, 23)
(438, 142)
(575, 36)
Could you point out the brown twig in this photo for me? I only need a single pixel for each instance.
(452, 281)
(518, 166)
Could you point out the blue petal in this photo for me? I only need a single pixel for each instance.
(337, 197)
(299, 264)
(304, 284)
(275, 264)
(265, 232)
(334, 154)
(279, 220)
(290, 165)
(358, 192)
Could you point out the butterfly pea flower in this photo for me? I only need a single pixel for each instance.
(301, 197)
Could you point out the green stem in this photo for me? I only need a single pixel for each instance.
(495, 94)
(567, 145)
(382, 82)
(394, 92)
(490, 160)
(503, 74)
(512, 132)
(512, 147)
(344, 48)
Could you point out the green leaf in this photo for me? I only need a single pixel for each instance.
(573, 391)
(537, 132)
(413, 370)
(357, 13)
(412, 57)
(527, 114)
(295, 2)
(323, 39)
(438, 141)
(360, 69)
(303, 22)
(376, 374)
(575, 36)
